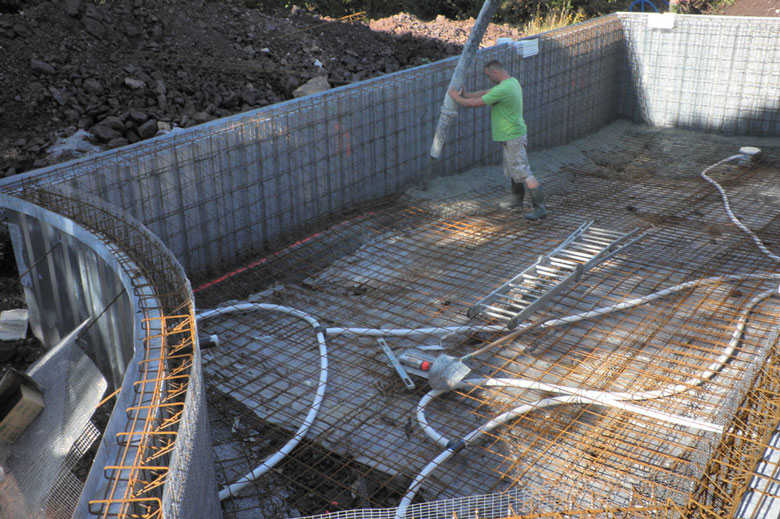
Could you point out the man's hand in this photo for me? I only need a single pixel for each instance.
(463, 99)
(455, 94)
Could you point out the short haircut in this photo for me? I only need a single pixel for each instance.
(494, 65)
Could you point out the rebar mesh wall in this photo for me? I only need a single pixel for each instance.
(707, 73)
(257, 179)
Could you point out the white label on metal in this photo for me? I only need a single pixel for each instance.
(527, 48)
(660, 21)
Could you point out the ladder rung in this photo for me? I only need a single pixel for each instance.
(532, 291)
(589, 249)
(576, 255)
(513, 309)
(567, 266)
(602, 242)
(524, 302)
(598, 238)
(585, 246)
(509, 300)
(529, 287)
(564, 262)
(515, 305)
(546, 270)
(604, 232)
(497, 312)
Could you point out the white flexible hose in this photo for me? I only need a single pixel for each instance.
(275, 458)
(572, 395)
(729, 212)
(413, 332)
(579, 398)
(609, 398)
(492, 328)
(449, 451)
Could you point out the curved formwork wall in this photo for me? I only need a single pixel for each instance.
(213, 194)
(107, 293)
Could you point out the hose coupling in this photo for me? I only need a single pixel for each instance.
(456, 445)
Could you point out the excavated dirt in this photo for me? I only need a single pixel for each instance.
(123, 71)
(118, 72)
(752, 8)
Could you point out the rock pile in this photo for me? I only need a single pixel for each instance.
(124, 71)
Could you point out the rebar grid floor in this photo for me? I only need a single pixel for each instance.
(423, 259)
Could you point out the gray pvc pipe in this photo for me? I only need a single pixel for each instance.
(449, 108)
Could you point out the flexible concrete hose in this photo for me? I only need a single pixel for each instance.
(445, 330)
(573, 396)
(275, 458)
(727, 206)
(449, 109)
(413, 332)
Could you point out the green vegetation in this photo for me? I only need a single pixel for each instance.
(552, 18)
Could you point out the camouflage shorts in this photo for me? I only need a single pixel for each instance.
(516, 164)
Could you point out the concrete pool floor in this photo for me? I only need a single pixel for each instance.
(423, 259)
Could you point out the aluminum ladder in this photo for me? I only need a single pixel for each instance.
(524, 294)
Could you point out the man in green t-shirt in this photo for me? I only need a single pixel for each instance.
(508, 127)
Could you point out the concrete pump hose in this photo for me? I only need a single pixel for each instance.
(449, 108)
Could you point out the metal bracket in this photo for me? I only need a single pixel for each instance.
(395, 363)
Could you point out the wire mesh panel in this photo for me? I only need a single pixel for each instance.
(707, 73)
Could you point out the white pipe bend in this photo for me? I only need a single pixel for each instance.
(308, 421)
(730, 213)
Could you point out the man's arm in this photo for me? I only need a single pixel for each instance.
(467, 99)
(474, 94)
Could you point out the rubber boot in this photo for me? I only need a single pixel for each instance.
(518, 192)
(537, 199)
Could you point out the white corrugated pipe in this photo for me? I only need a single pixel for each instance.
(746, 156)
(615, 399)
(275, 458)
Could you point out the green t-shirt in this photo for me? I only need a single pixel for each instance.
(506, 110)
